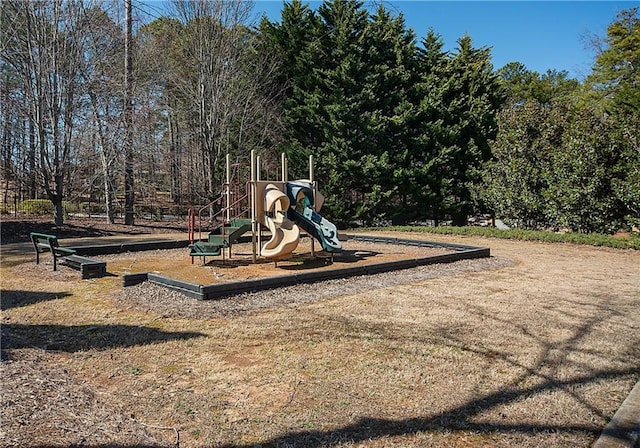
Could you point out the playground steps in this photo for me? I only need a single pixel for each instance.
(229, 233)
(221, 237)
(204, 249)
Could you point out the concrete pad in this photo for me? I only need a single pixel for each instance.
(623, 431)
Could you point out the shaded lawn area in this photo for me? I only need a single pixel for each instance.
(538, 352)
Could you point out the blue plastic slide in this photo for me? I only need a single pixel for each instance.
(302, 213)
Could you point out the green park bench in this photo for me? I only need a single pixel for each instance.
(49, 243)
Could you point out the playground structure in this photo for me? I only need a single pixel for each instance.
(282, 207)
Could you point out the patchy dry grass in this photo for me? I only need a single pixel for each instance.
(537, 351)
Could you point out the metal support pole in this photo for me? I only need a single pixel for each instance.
(284, 167)
(259, 219)
(284, 181)
(228, 192)
(253, 204)
(313, 184)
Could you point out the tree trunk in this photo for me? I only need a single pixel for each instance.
(459, 219)
(32, 159)
(129, 198)
(176, 162)
(108, 195)
(58, 209)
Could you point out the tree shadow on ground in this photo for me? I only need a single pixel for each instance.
(16, 299)
(296, 262)
(353, 256)
(544, 381)
(18, 231)
(456, 419)
(85, 337)
(306, 261)
(14, 231)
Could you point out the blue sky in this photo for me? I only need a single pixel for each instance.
(540, 34)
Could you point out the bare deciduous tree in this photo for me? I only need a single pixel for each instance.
(226, 84)
(46, 51)
(102, 83)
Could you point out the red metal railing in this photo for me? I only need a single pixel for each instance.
(221, 215)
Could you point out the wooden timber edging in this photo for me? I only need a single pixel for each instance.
(135, 246)
(220, 290)
(134, 279)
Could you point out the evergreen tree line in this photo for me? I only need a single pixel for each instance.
(401, 131)
(412, 133)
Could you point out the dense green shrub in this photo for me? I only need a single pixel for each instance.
(43, 207)
(36, 207)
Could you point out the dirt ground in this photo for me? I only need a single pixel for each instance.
(240, 266)
(537, 346)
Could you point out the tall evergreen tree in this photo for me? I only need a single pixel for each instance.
(347, 101)
(471, 105)
(430, 94)
(615, 80)
(615, 86)
(399, 134)
(523, 85)
(338, 91)
(389, 111)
